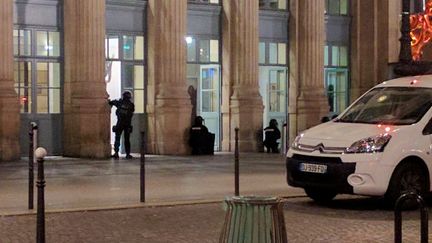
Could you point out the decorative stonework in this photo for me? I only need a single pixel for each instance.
(86, 112)
(9, 103)
(168, 103)
(240, 74)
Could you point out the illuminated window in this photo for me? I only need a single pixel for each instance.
(336, 56)
(262, 52)
(277, 89)
(125, 60)
(112, 47)
(276, 53)
(47, 87)
(202, 50)
(23, 85)
(336, 7)
(22, 42)
(47, 43)
(273, 4)
(37, 71)
(204, 1)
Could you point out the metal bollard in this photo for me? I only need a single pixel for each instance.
(423, 215)
(40, 226)
(254, 219)
(142, 169)
(32, 138)
(236, 164)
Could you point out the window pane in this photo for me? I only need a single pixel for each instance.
(335, 56)
(334, 7)
(139, 100)
(343, 56)
(273, 53)
(106, 48)
(54, 75)
(41, 43)
(207, 79)
(22, 84)
(113, 47)
(343, 7)
(25, 100)
(139, 77)
(214, 51)
(15, 42)
(282, 53)
(128, 47)
(208, 101)
(326, 55)
(204, 51)
(42, 74)
(139, 48)
(214, 1)
(282, 4)
(191, 49)
(262, 52)
(42, 100)
(54, 44)
(193, 72)
(54, 101)
(326, 7)
(24, 42)
(128, 76)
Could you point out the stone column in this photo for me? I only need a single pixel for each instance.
(86, 112)
(370, 48)
(242, 104)
(307, 35)
(9, 103)
(168, 105)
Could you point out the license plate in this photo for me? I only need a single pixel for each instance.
(313, 168)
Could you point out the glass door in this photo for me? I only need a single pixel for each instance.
(337, 89)
(208, 99)
(276, 93)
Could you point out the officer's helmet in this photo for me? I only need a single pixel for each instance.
(127, 95)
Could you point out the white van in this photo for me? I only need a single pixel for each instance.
(379, 146)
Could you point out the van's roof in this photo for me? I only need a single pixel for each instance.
(415, 81)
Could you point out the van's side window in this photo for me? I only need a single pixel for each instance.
(428, 128)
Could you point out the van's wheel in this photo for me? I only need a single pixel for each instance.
(407, 177)
(320, 195)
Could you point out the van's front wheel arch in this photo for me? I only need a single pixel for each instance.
(410, 175)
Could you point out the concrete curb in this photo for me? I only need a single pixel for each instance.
(131, 206)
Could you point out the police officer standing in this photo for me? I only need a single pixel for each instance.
(125, 110)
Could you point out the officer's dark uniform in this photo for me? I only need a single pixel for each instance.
(201, 140)
(272, 134)
(125, 109)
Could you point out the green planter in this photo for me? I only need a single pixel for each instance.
(251, 219)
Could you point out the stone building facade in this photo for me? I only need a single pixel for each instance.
(59, 60)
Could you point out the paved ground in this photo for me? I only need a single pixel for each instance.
(87, 184)
(348, 219)
(82, 196)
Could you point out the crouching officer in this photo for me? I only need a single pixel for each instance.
(125, 110)
(200, 139)
(272, 134)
